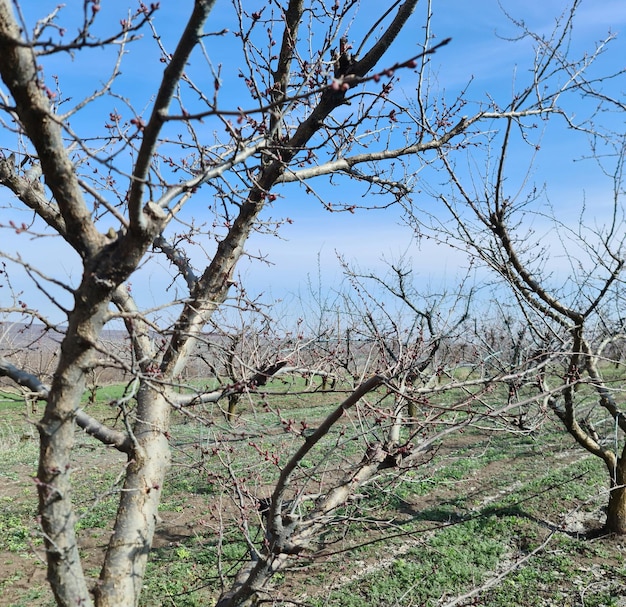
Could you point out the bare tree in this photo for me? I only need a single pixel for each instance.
(571, 315)
(292, 98)
(116, 196)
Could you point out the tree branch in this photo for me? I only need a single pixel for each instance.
(171, 77)
(90, 425)
(436, 143)
(373, 56)
(31, 194)
(18, 68)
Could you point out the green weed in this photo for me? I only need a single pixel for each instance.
(15, 534)
(458, 557)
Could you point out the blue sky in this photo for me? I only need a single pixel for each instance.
(478, 52)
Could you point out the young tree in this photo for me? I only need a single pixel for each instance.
(120, 171)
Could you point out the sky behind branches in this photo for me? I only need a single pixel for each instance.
(482, 60)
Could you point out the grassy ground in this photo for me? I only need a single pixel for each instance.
(512, 514)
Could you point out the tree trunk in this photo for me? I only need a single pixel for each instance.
(616, 512)
(122, 576)
(233, 401)
(65, 572)
(56, 431)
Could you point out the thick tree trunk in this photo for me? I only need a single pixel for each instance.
(56, 431)
(616, 511)
(65, 572)
(122, 576)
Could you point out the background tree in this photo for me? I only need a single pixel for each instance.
(560, 268)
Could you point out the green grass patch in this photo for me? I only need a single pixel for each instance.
(459, 556)
(18, 530)
(481, 499)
